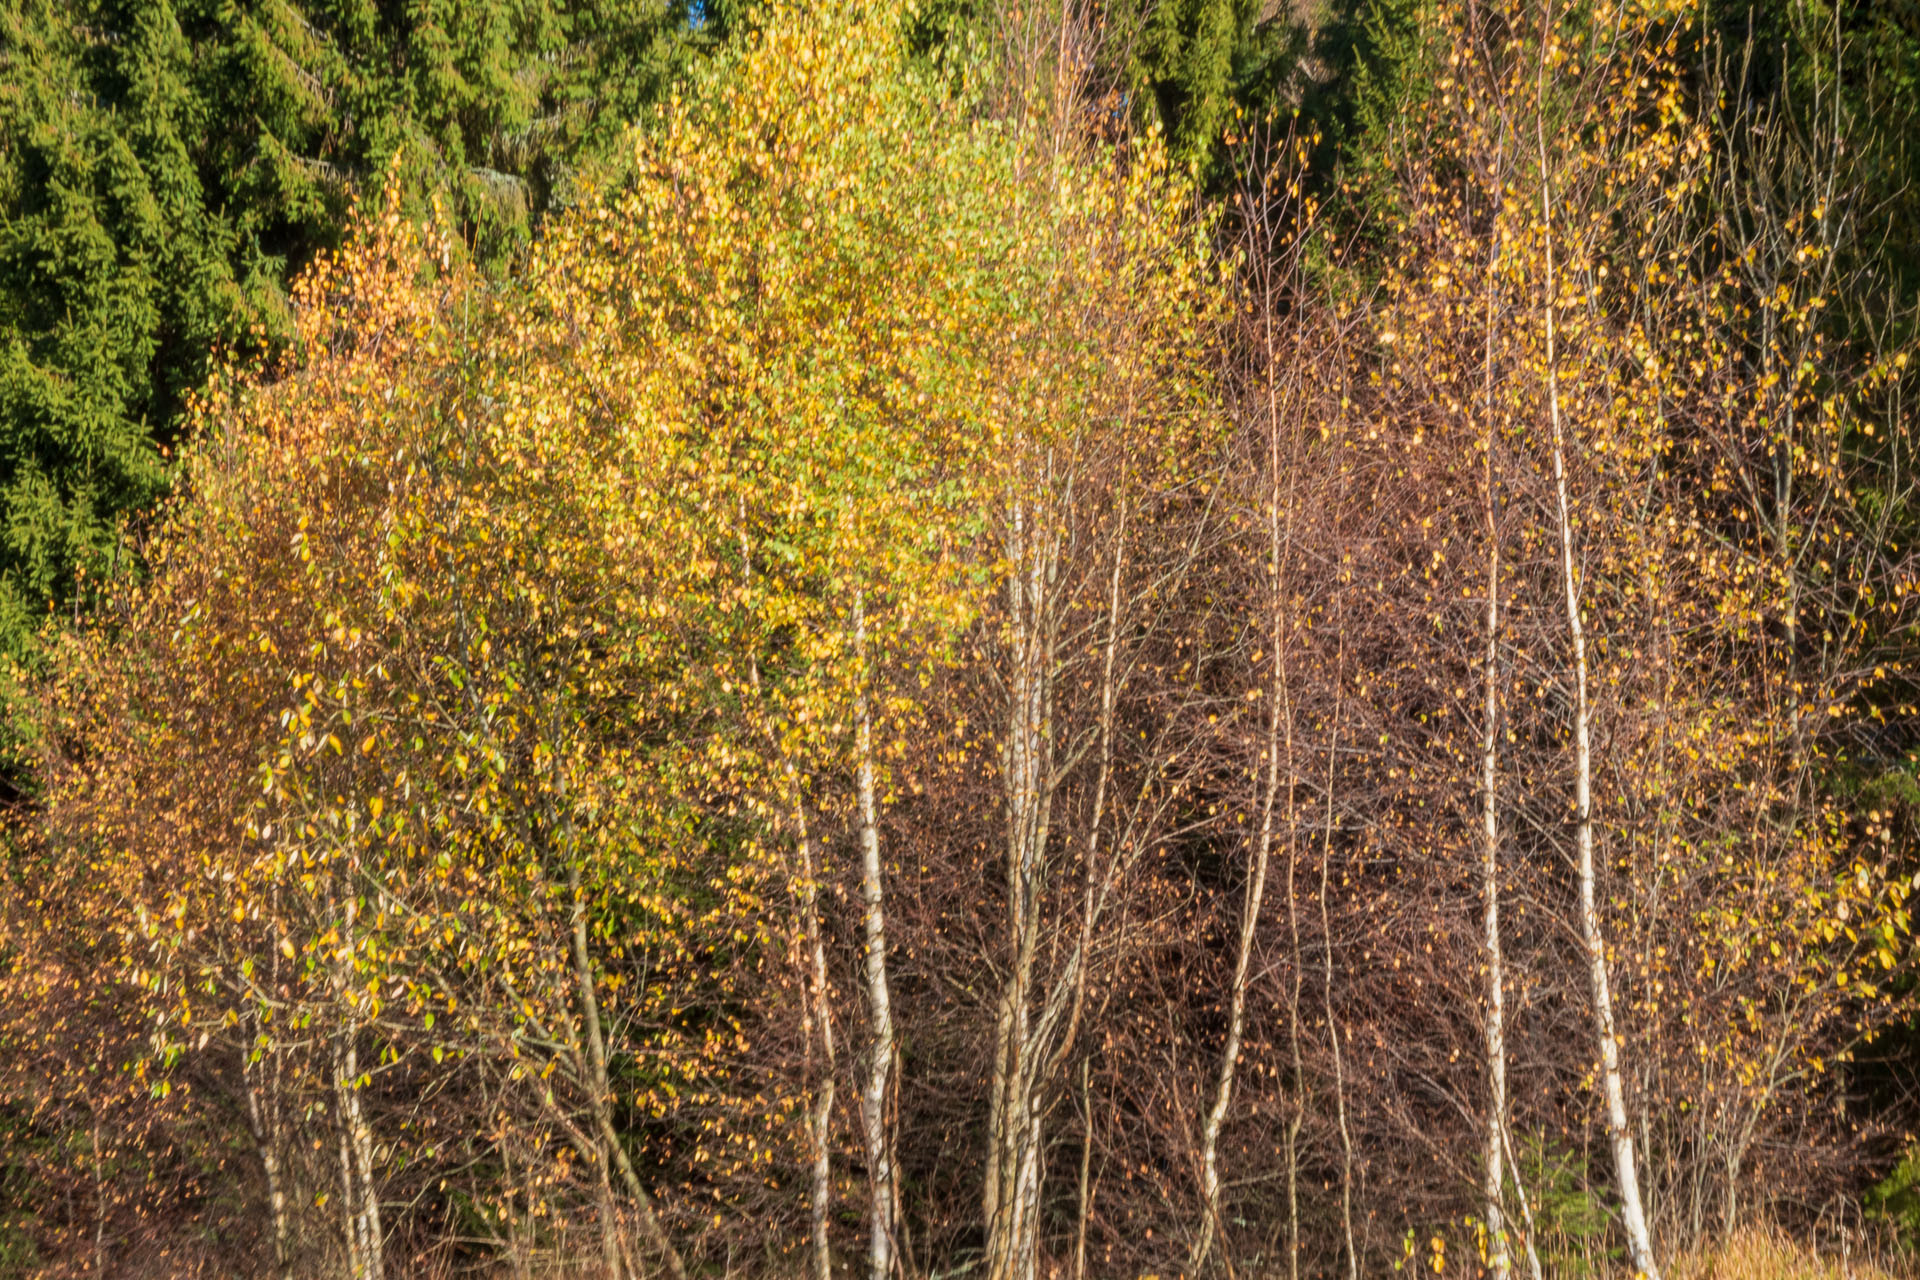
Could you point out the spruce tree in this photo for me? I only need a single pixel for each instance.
(166, 166)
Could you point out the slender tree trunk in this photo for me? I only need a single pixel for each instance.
(99, 1202)
(519, 1181)
(1298, 1116)
(374, 1231)
(367, 1236)
(1499, 1256)
(1236, 1019)
(1333, 1027)
(1279, 717)
(1004, 1049)
(1620, 1134)
(880, 1173)
(1084, 1201)
(1015, 1125)
(610, 1249)
(817, 1017)
(598, 1088)
(263, 1119)
(361, 1201)
(820, 1018)
(350, 1220)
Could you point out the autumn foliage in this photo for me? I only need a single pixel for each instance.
(907, 695)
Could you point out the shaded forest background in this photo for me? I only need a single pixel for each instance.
(1134, 639)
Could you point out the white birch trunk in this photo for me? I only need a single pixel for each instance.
(1298, 1113)
(1499, 1254)
(1279, 713)
(349, 1214)
(873, 1102)
(1619, 1133)
(366, 1237)
(820, 1019)
(1237, 1010)
(360, 1201)
(1333, 1027)
(1013, 1169)
(263, 1119)
(1499, 1257)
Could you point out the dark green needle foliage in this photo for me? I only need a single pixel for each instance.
(1189, 63)
(167, 165)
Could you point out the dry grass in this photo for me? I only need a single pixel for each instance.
(1760, 1254)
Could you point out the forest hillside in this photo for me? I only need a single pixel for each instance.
(834, 639)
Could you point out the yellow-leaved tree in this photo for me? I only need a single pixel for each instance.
(457, 793)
